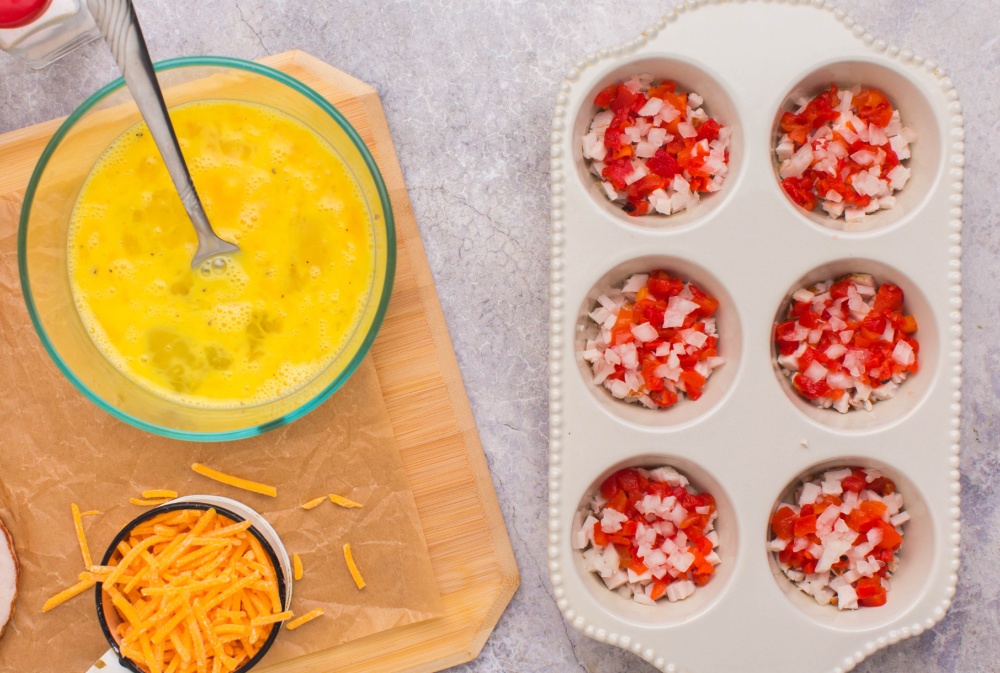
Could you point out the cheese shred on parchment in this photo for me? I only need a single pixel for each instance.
(343, 502)
(351, 566)
(307, 617)
(315, 502)
(236, 482)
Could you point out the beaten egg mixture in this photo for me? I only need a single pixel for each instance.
(273, 315)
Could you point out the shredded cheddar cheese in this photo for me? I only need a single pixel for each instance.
(195, 592)
(351, 566)
(235, 482)
(67, 594)
(315, 502)
(307, 617)
(271, 619)
(97, 576)
(343, 502)
(81, 538)
(159, 493)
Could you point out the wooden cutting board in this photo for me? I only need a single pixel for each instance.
(427, 405)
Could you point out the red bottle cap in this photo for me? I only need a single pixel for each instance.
(17, 13)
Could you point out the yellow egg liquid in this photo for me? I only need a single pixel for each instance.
(280, 310)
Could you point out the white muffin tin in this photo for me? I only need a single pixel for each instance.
(751, 438)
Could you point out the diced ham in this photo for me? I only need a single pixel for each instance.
(645, 332)
(899, 519)
(898, 177)
(863, 157)
(612, 521)
(616, 580)
(832, 551)
(652, 106)
(797, 164)
(900, 146)
(694, 337)
(815, 371)
(810, 493)
(635, 283)
(677, 310)
(835, 351)
(609, 561)
(678, 591)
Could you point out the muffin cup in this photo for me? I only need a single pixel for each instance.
(912, 391)
(909, 581)
(704, 599)
(690, 78)
(718, 385)
(916, 111)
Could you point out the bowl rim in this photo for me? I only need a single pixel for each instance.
(390, 230)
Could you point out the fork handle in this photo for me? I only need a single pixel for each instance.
(120, 27)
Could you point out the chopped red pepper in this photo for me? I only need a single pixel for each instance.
(804, 525)
(873, 107)
(888, 299)
(617, 171)
(628, 479)
(800, 190)
(709, 130)
(664, 398)
(871, 593)
(855, 483)
(706, 304)
(619, 502)
(604, 98)
(693, 383)
(609, 487)
(783, 522)
(663, 164)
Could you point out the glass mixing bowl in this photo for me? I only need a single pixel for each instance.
(45, 219)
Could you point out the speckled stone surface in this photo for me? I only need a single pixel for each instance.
(468, 89)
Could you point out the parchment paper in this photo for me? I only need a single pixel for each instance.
(57, 448)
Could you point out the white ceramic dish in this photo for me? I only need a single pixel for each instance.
(750, 438)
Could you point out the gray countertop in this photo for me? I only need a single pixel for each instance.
(468, 89)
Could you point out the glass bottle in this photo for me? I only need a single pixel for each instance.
(64, 26)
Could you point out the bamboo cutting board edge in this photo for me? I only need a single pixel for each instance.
(473, 561)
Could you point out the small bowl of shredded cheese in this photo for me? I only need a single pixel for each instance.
(200, 583)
